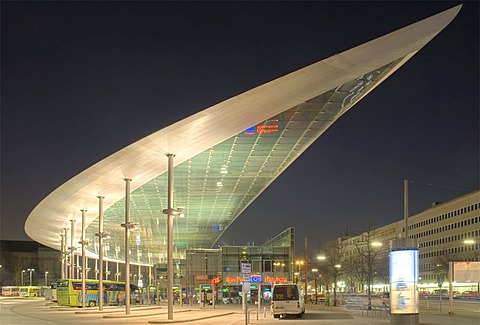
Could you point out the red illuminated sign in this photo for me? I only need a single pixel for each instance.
(270, 126)
(274, 279)
(238, 279)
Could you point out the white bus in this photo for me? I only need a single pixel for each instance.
(11, 291)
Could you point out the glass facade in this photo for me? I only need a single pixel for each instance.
(214, 187)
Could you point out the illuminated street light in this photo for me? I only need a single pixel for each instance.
(23, 272)
(321, 257)
(297, 275)
(469, 241)
(314, 271)
(376, 244)
(31, 271)
(46, 278)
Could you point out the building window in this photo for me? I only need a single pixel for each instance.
(267, 266)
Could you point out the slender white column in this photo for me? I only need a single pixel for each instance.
(72, 248)
(107, 272)
(100, 251)
(405, 206)
(66, 253)
(77, 264)
(127, 226)
(149, 280)
(62, 251)
(170, 238)
(83, 242)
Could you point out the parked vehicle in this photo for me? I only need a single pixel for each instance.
(287, 299)
(469, 295)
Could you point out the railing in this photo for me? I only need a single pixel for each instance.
(376, 310)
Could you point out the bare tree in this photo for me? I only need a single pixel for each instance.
(15, 265)
(368, 250)
(356, 271)
(334, 258)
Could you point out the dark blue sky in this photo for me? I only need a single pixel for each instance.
(81, 80)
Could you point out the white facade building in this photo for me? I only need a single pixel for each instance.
(448, 231)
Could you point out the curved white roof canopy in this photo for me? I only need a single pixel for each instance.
(219, 167)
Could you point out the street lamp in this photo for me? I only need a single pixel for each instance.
(46, 278)
(31, 271)
(314, 271)
(299, 274)
(376, 244)
(23, 272)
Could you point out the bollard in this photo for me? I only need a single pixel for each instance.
(264, 312)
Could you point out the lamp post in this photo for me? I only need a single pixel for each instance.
(23, 272)
(299, 263)
(46, 278)
(128, 226)
(314, 271)
(31, 271)
(335, 277)
(171, 212)
(371, 256)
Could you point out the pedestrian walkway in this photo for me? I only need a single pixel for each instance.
(323, 314)
(34, 309)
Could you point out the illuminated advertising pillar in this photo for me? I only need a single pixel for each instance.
(404, 298)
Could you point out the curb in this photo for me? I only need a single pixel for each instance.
(188, 320)
(143, 315)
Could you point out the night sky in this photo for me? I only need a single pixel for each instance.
(81, 80)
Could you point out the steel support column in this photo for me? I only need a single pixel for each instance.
(170, 237)
(83, 242)
(127, 226)
(100, 252)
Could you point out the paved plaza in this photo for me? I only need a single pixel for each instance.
(40, 312)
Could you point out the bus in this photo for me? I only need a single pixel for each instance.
(31, 291)
(69, 292)
(10, 291)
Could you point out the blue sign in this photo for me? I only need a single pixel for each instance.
(256, 278)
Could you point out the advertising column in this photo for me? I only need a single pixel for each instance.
(404, 298)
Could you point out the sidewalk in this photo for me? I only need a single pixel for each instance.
(323, 314)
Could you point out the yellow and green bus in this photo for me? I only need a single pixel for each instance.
(32, 291)
(69, 292)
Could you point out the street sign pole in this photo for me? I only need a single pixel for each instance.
(246, 271)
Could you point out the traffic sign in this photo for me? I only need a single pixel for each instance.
(246, 268)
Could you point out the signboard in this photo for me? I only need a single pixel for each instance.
(403, 281)
(246, 287)
(246, 268)
(269, 126)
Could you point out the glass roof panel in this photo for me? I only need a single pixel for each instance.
(214, 187)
